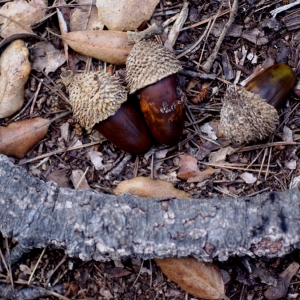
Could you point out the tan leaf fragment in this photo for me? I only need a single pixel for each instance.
(221, 154)
(209, 171)
(188, 169)
(19, 137)
(79, 180)
(17, 15)
(148, 188)
(283, 282)
(15, 69)
(200, 279)
(85, 17)
(46, 57)
(125, 14)
(106, 45)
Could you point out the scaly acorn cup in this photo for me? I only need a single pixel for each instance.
(98, 101)
(151, 72)
(249, 113)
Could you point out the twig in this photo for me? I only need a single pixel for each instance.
(35, 267)
(174, 32)
(197, 43)
(35, 97)
(134, 37)
(280, 9)
(208, 64)
(57, 152)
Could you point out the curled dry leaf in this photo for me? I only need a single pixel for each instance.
(283, 282)
(15, 16)
(188, 169)
(15, 69)
(106, 45)
(148, 188)
(200, 279)
(46, 57)
(18, 138)
(125, 14)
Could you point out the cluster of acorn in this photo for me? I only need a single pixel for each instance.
(100, 100)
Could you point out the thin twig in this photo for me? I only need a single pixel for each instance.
(208, 64)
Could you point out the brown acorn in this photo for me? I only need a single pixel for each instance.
(98, 101)
(151, 72)
(249, 113)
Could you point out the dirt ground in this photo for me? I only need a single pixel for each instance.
(254, 40)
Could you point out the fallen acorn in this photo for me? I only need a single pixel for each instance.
(98, 102)
(151, 72)
(250, 113)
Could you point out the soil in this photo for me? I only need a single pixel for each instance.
(255, 41)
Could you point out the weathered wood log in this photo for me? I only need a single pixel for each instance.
(103, 227)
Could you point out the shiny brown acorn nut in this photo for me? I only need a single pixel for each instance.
(98, 101)
(249, 114)
(151, 72)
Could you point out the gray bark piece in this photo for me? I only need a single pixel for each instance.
(103, 227)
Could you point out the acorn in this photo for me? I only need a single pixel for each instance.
(250, 113)
(98, 102)
(151, 73)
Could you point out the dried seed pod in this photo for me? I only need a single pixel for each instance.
(249, 114)
(151, 72)
(99, 101)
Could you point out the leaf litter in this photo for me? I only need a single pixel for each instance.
(232, 169)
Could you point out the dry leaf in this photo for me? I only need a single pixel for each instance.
(248, 177)
(148, 188)
(15, 69)
(79, 181)
(17, 15)
(106, 45)
(18, 138)
(46, 57)
(60, 177)
(85, 17)
(200, 279)
(209, 171)
(118, 272)
(220, 155)
(125, 14)
(283, 282)
(188, 169)
(206, 128)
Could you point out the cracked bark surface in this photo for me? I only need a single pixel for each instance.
(102, 227)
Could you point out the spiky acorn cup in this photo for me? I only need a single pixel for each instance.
(151, 72)
(249, 113)
(99, 101)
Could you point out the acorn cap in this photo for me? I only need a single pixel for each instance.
(94, 96)
(147, 63)
(246, 117)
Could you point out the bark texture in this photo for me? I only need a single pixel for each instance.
(103, 227)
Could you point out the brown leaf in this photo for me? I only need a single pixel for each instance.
(106, 45)
(15, 16)
(283, 282)
(125, 14)
(18, 138)
(118, 272)
(59, 177)
(200, 279)
(46, 57)
(209, 171)
(148, 188)
(15, 69)
(188, 169)
(85, 19)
